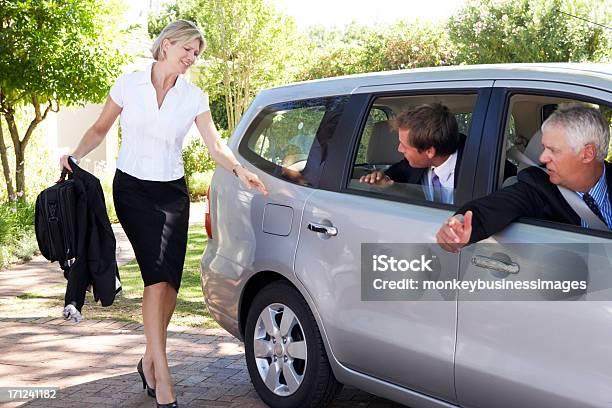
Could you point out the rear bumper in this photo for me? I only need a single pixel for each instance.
(221, 286)
(225, 321)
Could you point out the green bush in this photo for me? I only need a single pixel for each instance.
(24, 213)
(196, 159)
(15, 216)
(22, 247)
(198, 183)
(105, 175)
(107, 187)
(17, 238)
(5, 228)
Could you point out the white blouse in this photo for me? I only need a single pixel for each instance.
(152, 138)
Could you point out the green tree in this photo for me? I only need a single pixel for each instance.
(490, 31)
(250, 46)
(337, 51)
(415, 45)
(335, 62)
(359, 49)
(52, 53)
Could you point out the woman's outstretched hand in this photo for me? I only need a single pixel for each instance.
(250, 180)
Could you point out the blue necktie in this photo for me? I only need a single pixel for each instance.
(437, 187)
(590, 202)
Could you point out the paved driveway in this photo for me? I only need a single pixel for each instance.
(94, 362)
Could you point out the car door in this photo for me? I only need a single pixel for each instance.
(544, 348)
(408, 342)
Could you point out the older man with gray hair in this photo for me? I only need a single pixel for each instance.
(576, 187)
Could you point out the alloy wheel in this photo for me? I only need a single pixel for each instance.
(280, 349)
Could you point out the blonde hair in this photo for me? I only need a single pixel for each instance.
(182, 31)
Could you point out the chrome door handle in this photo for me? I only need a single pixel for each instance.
(323, 229)
(495, 264)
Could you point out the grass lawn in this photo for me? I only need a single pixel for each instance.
(190, 307)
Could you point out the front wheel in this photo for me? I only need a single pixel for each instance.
(285, 354)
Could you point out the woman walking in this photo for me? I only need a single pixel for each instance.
(157, 107)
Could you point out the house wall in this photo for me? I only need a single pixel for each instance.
(72, 123)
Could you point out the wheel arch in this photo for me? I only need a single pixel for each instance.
(251, 288)
(261, 279)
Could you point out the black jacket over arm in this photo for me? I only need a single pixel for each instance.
(95, 262)
(403, 172)
(532, 196)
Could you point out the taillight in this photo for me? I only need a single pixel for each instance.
(207, 224)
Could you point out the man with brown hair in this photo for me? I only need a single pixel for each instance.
(432, 145)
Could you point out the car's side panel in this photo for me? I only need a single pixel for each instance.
(413, 341)
(240, 247)
(506, 353)
(544, 353)
(409, 343)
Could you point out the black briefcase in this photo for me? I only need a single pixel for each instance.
(55, 221)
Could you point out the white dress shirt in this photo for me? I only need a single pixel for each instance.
(152, 137)
(446, 174)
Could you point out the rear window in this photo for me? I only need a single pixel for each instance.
(289, 140)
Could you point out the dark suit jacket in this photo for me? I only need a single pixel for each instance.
(532, 196)
(95, 261)
(402, 172)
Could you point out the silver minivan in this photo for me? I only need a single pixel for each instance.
(284, 272)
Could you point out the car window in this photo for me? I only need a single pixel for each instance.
(379, 143)
(289, 140)
(376, 115)
(463, 121)
(522, 131)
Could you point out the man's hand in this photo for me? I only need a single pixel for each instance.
(455, 232)
(378, 178)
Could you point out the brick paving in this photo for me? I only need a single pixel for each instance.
(94, 362)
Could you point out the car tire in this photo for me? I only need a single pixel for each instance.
(286, 358)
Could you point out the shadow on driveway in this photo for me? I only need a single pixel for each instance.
(94, 364)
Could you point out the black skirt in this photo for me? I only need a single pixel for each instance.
(155, 218)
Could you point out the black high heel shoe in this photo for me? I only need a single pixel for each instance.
(150, 391)
(170, 405)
